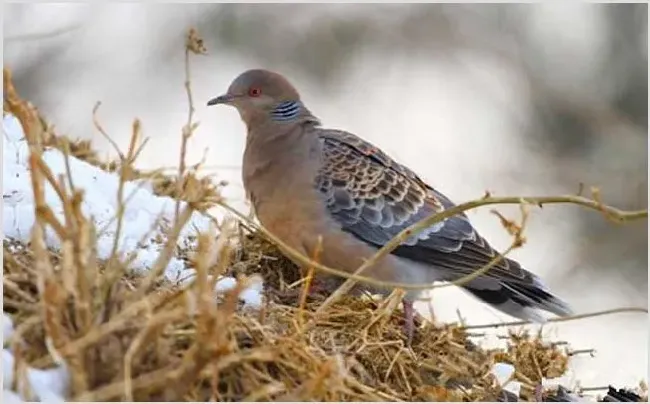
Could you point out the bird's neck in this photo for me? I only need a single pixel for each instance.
(278, 138)
(272, 141)
(274, 160)
(285, 114)
(289, 111)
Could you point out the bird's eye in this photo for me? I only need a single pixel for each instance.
(254, 92)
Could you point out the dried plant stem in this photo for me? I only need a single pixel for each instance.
(112, 274)
(125, 202)
(152, 381)
(103, 132)
(560, 319)
(298, 257)
(13, 287)
(154, 324)
(116, 323)
(25, 113)
(180, 218)
(53, 297)
(126, 163)
(193, 44)
(165, 255)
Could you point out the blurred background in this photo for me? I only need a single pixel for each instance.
(514, 99)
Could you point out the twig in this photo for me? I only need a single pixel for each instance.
(114, 324)
(193, 44)
(11, 286)
(66, 159)
(111, 275)
(126, 164)
(427, 222)
(561, 319)
(165, 255)
(101, 130)
(153, 326)
(590, 351)
(595, 388)
(125, 202)
(151, 380)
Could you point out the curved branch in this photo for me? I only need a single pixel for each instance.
(610, 213)
(560, 319)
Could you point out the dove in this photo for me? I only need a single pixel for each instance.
(309, 184)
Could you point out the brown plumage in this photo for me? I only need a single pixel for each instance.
(306, 182)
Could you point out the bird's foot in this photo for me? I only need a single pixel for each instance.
(409, 321)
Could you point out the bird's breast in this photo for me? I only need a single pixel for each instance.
(279, 180)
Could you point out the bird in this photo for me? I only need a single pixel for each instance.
(314, 187)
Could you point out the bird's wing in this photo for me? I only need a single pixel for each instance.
(374, 198)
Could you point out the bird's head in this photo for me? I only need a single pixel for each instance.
(261, 94)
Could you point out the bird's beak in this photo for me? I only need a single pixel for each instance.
(222, 99)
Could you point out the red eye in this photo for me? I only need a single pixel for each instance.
(254, 92)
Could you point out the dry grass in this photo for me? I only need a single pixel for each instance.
(152, 349)
(128, 338)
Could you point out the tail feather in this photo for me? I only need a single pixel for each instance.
(519, 300)
(536, 295)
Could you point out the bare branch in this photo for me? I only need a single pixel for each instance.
(610, 213)
(561, 319)
(101, 130)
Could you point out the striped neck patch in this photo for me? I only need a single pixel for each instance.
(286, 111)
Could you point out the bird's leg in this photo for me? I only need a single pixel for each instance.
(409, 314)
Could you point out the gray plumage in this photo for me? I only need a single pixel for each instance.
(306, 181)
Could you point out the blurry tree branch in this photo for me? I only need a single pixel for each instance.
(610, 213)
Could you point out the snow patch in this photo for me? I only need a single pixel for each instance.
(49, 385)
(7, 327)
(504, 372)
(143, 207)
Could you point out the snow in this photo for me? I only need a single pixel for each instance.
(503, 372)
(143, 208)
(565, 380)
(142, 211)
(9, 397)
(7, 327)
(49, 385)
(224, 284)
(251, 296)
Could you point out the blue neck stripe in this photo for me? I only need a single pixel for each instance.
(286, 111)
(286, 105)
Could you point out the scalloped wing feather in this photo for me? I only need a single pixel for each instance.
(374, 198)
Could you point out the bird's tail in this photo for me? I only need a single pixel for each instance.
(521, 300)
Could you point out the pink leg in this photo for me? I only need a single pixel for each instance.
(409, 327)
